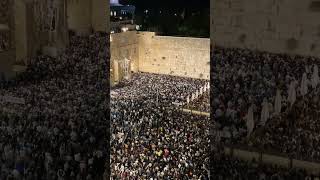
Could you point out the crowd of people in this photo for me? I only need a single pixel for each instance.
(60, 132)
(295, 133)
(282, 93)
(180, 89)
(244, 78)
(151, 137)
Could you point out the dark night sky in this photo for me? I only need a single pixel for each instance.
(196, 21)
(168, 3)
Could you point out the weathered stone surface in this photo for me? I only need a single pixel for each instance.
(87, 15)
(178, 56)
(268, 25)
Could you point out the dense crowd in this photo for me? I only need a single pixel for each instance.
(245, 78)
(168, 89)
(151, 137)
(296, 133)
(281, 91)
(61, 130)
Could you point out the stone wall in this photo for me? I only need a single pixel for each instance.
(6, 59)
(5, 25)
(79, 16)
(100, 15)
(279, 26)
(126, 45)
(178, 56)
(87, 15)
(7, 37)
(21, 31)
(83, 16)
(31, 35)
(123, 45)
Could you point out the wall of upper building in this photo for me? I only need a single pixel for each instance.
(279, 26)
(7, 38)
(20, 30)
(177, 56)
(79, 16)
(28, 35)
(87, 15)
(33, 29)
(100, 15)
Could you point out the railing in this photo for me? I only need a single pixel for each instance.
(272, 158)
(196, 112)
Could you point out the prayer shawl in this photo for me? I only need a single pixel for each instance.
(277, 103)
(292, 93)
(304, 85)
(265, 112)
(250, 121)
(315, 77)
(192, 97)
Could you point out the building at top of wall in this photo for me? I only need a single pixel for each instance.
(121, 12)
(121, 17)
